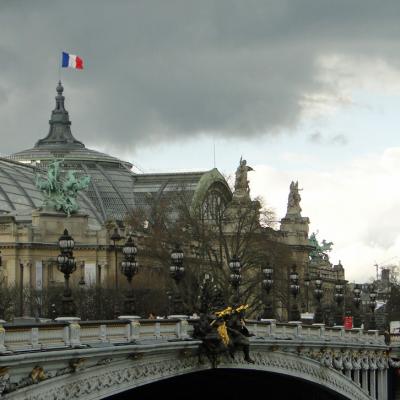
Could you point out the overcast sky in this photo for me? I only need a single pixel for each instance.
(304, 90)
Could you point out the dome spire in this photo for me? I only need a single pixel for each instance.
(60, 126)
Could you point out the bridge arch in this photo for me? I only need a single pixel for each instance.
(231, 383)
(109, 377)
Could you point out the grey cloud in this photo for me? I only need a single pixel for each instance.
(167, 70)
(339, 139)
(315, 137)
(319, 138)
(383, 230)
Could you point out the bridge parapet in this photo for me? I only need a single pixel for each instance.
(75, 333)
(95, 359)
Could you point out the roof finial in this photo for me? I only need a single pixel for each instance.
(60, 88)
(60, 131)
(60, 98)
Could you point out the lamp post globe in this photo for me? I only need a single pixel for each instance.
(267, 281)
(66, 243)
(177, 270)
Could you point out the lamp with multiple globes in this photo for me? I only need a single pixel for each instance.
(357, 302)
(235, 268)
(267, 283)
(129, 267)
(318, 294)
(177, 271)
(372, 305)
(294, 290)
(66, 264)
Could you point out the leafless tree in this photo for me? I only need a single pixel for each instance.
(210, 234)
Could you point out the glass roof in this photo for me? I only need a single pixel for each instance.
(114, 189)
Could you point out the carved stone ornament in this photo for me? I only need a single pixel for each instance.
(102, 378)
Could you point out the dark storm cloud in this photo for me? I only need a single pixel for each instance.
(167, 70)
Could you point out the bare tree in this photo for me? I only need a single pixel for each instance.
(211, 234)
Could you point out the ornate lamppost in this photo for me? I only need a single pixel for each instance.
(177, 271)
(116, 237)
(307, 281)
(267, 285)
(318, 293)
(129, 267)
(66, 264)
(372, 306)
(235, 278)
(294, 290)
(339, 296)
(206, 294)
(357, 301)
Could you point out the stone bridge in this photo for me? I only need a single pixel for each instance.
(96, 359)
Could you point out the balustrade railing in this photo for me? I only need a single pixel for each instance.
(75, 333)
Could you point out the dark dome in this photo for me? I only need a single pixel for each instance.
(114, 189)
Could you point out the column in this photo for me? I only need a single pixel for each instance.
(357, 376)
(382, 384)
(365, 379)
(372, 386)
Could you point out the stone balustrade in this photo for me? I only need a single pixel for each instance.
(347, 361)
(72, 333)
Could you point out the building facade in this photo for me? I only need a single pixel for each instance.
(29, 231)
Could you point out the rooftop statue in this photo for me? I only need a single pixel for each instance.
(241, 182)
(294, 198)
(60, 192)
(320, 250)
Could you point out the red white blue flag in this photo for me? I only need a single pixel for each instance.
(71, 61)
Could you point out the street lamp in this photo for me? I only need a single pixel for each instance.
(357, 302)
(267, 285)
(66, 264)
(372, 306)
(294, 290)
(115, 237)
(206, 294)
(318, 293)
(307, 281)
(177, 271)
(129, 267)
(339, 296)
(235, 277)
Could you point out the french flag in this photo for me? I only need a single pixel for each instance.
(71, 61)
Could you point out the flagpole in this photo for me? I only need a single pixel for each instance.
(59, 67)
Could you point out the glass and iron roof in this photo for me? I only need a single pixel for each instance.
(114, 189)
(19, 194)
